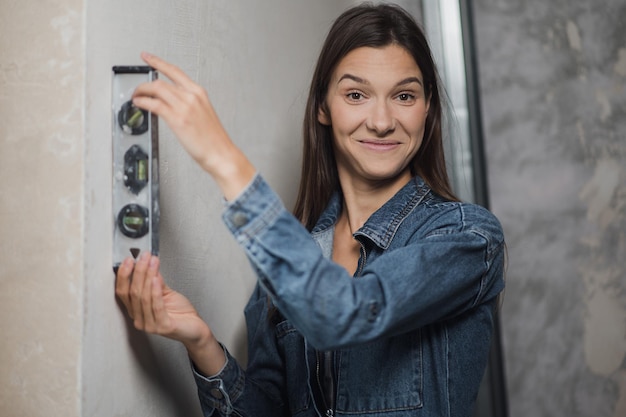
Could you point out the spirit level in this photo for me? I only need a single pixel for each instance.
(135, 168)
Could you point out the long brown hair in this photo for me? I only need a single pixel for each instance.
(377, 26)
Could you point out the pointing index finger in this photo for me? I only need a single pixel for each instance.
(171, 71)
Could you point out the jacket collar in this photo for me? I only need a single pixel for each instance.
(384, 222)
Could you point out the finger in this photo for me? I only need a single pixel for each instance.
(122, 283)
(172, 104)
(158, 304)
(136, 288)
(160, 89)
(171, 71)
(150, 324)
(158, 97)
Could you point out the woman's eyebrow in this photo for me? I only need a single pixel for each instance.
(353, 78)
(409, 80)
(360, 80)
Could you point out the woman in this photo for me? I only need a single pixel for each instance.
(377, 298)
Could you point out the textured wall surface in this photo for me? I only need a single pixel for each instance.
(41, 166)
(255, 59)
(553, 78)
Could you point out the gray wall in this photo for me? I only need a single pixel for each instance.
(255, 59)
(553, 76)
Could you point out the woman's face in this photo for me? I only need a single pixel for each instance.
(377, 111)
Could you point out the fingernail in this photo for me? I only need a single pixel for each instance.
(153, 261)
(143, 256)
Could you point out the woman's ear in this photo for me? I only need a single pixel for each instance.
(322, 116)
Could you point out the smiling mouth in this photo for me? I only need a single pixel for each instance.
(379, 145)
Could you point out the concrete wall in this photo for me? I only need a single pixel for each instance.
(553, 77)
(41, 192)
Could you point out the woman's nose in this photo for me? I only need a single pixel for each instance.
(381, 118)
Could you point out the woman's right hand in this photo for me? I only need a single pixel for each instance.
(185, 107)
(155, 308)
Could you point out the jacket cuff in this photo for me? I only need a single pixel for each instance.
(253, 210)
(220, 391)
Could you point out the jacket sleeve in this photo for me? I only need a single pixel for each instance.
(258, 391)
(445, 272)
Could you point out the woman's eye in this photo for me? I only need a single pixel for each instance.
(405, 97)
(355, 96)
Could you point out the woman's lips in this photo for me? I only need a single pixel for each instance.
(379, 145)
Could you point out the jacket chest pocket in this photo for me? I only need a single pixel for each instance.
(386, 375)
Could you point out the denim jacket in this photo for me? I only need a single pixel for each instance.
(408, 335)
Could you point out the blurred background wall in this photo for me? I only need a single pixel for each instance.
(553, 78)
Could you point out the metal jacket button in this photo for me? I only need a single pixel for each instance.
(373, 313)
(216, 393)
(239, 219)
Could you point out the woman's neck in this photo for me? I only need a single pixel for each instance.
(362, 198)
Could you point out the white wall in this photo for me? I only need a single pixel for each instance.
(255, 59)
